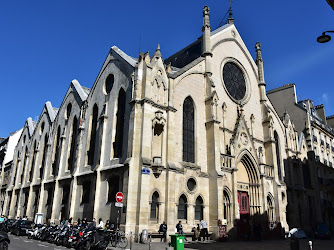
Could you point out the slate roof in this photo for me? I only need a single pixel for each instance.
(186, 55)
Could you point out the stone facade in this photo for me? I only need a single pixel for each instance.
(310, 175)
(187, 138)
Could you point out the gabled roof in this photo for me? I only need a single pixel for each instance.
(31, 126)
(51, 111)
(191, 52)
(186, 55)
(132, 61)
(82, 91)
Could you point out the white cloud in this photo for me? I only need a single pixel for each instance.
(324, 98)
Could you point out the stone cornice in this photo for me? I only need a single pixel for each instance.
(146, 100)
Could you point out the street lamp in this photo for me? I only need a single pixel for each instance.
(324, 38)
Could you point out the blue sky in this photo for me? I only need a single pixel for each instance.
(46, 44)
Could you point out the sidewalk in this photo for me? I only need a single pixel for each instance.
(237, 245)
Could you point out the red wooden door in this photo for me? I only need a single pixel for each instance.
(243, 203)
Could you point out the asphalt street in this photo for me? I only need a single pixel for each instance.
(23, 243)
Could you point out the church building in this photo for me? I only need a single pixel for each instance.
(186, 138)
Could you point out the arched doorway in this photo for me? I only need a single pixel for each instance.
(248, 195)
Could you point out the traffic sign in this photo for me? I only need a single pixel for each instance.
(118, 204)
(119, 197)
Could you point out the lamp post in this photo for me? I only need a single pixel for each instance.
(324, 38)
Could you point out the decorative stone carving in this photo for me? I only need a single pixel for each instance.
(159, 119)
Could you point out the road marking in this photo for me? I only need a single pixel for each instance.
(41, 245)
(15, 238)
(27, 240)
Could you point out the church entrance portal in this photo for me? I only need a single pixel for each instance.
(248, 195)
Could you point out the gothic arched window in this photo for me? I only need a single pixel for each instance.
(45, 148)
(188, 130)
(227, 206)
(278, 157)
(270, 209)
(71, 158)
(92, 142)
(57, 146)
(182, 208)
(199, 208)
(120, 116)
(31, 173)
(155, 206)
(24, 163)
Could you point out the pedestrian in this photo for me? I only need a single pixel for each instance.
(179, 229)
(204, 230)
(84, 222)
(100, 225)
(107, 225)
(93, 223)
(196, 233)
(163, 230)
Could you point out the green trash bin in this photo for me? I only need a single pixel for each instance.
(177, 241)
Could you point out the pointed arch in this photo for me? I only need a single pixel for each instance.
(199, 207)
(188, 130)
(45, 148)
(249, 200)
(250, 164)
(92, 137)
(155, 202)
(24, 163)
(182, 207)
(72, 155)
(271, 207)
(278, 155)
(227, 204)
(120, 117)
(57, 150)
(32, 167)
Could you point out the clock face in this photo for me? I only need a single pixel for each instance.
(234, 81)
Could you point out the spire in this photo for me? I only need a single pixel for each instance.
(157, 53)
(259, 63)
(206, 47)
(230, 19)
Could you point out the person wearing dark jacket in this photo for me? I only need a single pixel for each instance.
(179, 229)
(163, 230)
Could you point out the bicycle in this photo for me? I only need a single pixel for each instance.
(118, 239)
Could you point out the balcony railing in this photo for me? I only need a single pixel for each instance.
(226, 161)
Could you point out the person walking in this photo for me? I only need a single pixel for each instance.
(179, 229)
(163, 230)
(204, 230)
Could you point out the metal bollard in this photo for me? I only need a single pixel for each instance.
(149, 245)
(310, 244)
(131, 240)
